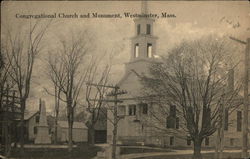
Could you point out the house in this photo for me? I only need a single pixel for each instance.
(80, 132)
(32, 119)
(131, 129)
(100, 125)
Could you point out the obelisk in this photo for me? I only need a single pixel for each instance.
(42, 136)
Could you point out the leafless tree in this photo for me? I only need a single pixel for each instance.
(6, 84)
(191, 82)
(22, 49)
(57, 90)
(95, 95)
(69, 73)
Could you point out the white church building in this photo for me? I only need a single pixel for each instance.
(131, 129)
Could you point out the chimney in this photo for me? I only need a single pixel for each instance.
(230, 80)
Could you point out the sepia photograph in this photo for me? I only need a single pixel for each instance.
(140, 79)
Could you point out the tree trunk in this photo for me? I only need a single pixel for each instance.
(55, 141)
(114, 142)
(197, 149)
(22, 126)
(70, 144)
(91, 135)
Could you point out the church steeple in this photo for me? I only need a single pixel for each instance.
(143, 43)
(144, 6)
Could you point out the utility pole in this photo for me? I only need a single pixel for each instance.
(115, 94)
(246, 100)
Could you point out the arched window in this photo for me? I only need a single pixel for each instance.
(136, 50)
(149, 50)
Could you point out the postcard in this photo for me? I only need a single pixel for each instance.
(124, 79)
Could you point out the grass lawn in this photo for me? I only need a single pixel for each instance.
(205, 156)
(80, 152)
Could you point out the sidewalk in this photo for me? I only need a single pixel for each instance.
(174, 152)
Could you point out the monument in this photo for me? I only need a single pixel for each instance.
(42, 136)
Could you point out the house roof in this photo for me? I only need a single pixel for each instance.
(28, 115)
(76, 125)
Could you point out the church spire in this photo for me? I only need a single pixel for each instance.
(144, 7)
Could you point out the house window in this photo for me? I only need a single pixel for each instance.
(37, 119)
(35, 130)
(132, 110)
(226, 120)
(177, 123)
(148, 29)
(136, 50)
(206, 141)
(171, 141)
(138, 29)
(149, 50)
(239, 120)
(144, 108)
(188, 140)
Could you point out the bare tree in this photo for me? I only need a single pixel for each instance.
(190, 86)
(6, 84)
(57, 90)
(69, 76)
(22, 49)
(95, 95)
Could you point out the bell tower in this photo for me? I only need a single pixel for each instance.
(143, 42)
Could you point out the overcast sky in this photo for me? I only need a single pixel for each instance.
(193, 20)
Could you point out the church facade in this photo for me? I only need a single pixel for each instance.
(135, 109)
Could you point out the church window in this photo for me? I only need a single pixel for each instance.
(206, 141)
(138, 29)
(239, 120)
(149, 50)
(172, 120)
(173, 111)
(226, 120)
(132, 110)
(148, 29)
(136, 50)
(144, 108)
(35, 130)
(171, 141)
(177, 123)
(37, 119)
(189, 141)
